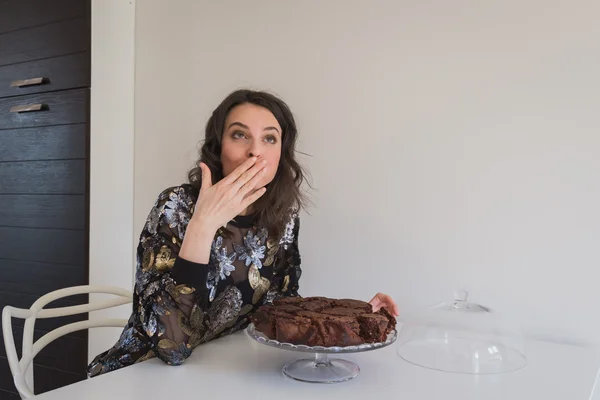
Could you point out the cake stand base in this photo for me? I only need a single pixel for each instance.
(321, 369)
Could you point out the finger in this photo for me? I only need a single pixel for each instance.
(375, 304)
(249, 186)
(391, 307)
(206, 176)
(232, 177)
(390, 304)
(385, 298)
(251, 198)
(248, 175)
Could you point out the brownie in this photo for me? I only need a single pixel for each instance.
(314, 305)
(343, 312)
(287, 300)
(353, 304)
(332, 330)
(315, 298)
(317, 322)
(321, 321)
(373, 327)
(391, 320)
(286, 309)
(263, 322)
(313, 315)
(341, 331)
(294, 329)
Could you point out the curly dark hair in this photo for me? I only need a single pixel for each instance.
(284, 192)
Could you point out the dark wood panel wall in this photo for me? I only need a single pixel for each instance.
(44, 173)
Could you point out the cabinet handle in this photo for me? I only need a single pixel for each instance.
(29, 108)
(29, 82)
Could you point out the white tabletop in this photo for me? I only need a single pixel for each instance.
(238, 367)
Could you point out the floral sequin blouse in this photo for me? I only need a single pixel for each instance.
(178, 304)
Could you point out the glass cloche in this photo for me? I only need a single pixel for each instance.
(462, 337)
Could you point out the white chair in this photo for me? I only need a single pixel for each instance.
(21, 369)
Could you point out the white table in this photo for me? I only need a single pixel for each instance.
(238, 367)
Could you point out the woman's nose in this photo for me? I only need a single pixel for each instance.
(254, 151)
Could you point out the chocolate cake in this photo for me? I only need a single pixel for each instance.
(321, 321)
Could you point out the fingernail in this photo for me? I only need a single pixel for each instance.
(264, 162)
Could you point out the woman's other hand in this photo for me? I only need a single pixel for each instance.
(382, 300)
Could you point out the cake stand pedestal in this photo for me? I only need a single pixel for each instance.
(320, 368)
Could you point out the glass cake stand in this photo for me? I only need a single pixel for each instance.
(320, 368)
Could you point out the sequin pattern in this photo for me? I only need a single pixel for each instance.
(165, 310)
(253, 250)
(288, 233)
(225, 310)
(271, 295)
(177, 211)
(225, 261)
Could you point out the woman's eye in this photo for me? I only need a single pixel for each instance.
(271, 139)
(238, 135)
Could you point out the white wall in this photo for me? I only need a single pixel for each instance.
(111, 158)
(453, 143)
(166, 138)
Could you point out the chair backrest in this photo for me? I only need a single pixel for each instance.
(21, 369)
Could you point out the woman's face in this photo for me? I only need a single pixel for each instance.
(251, 131)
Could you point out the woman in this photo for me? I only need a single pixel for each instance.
(214, 250)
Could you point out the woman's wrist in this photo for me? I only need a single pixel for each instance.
(203, 223)
(197, 242)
